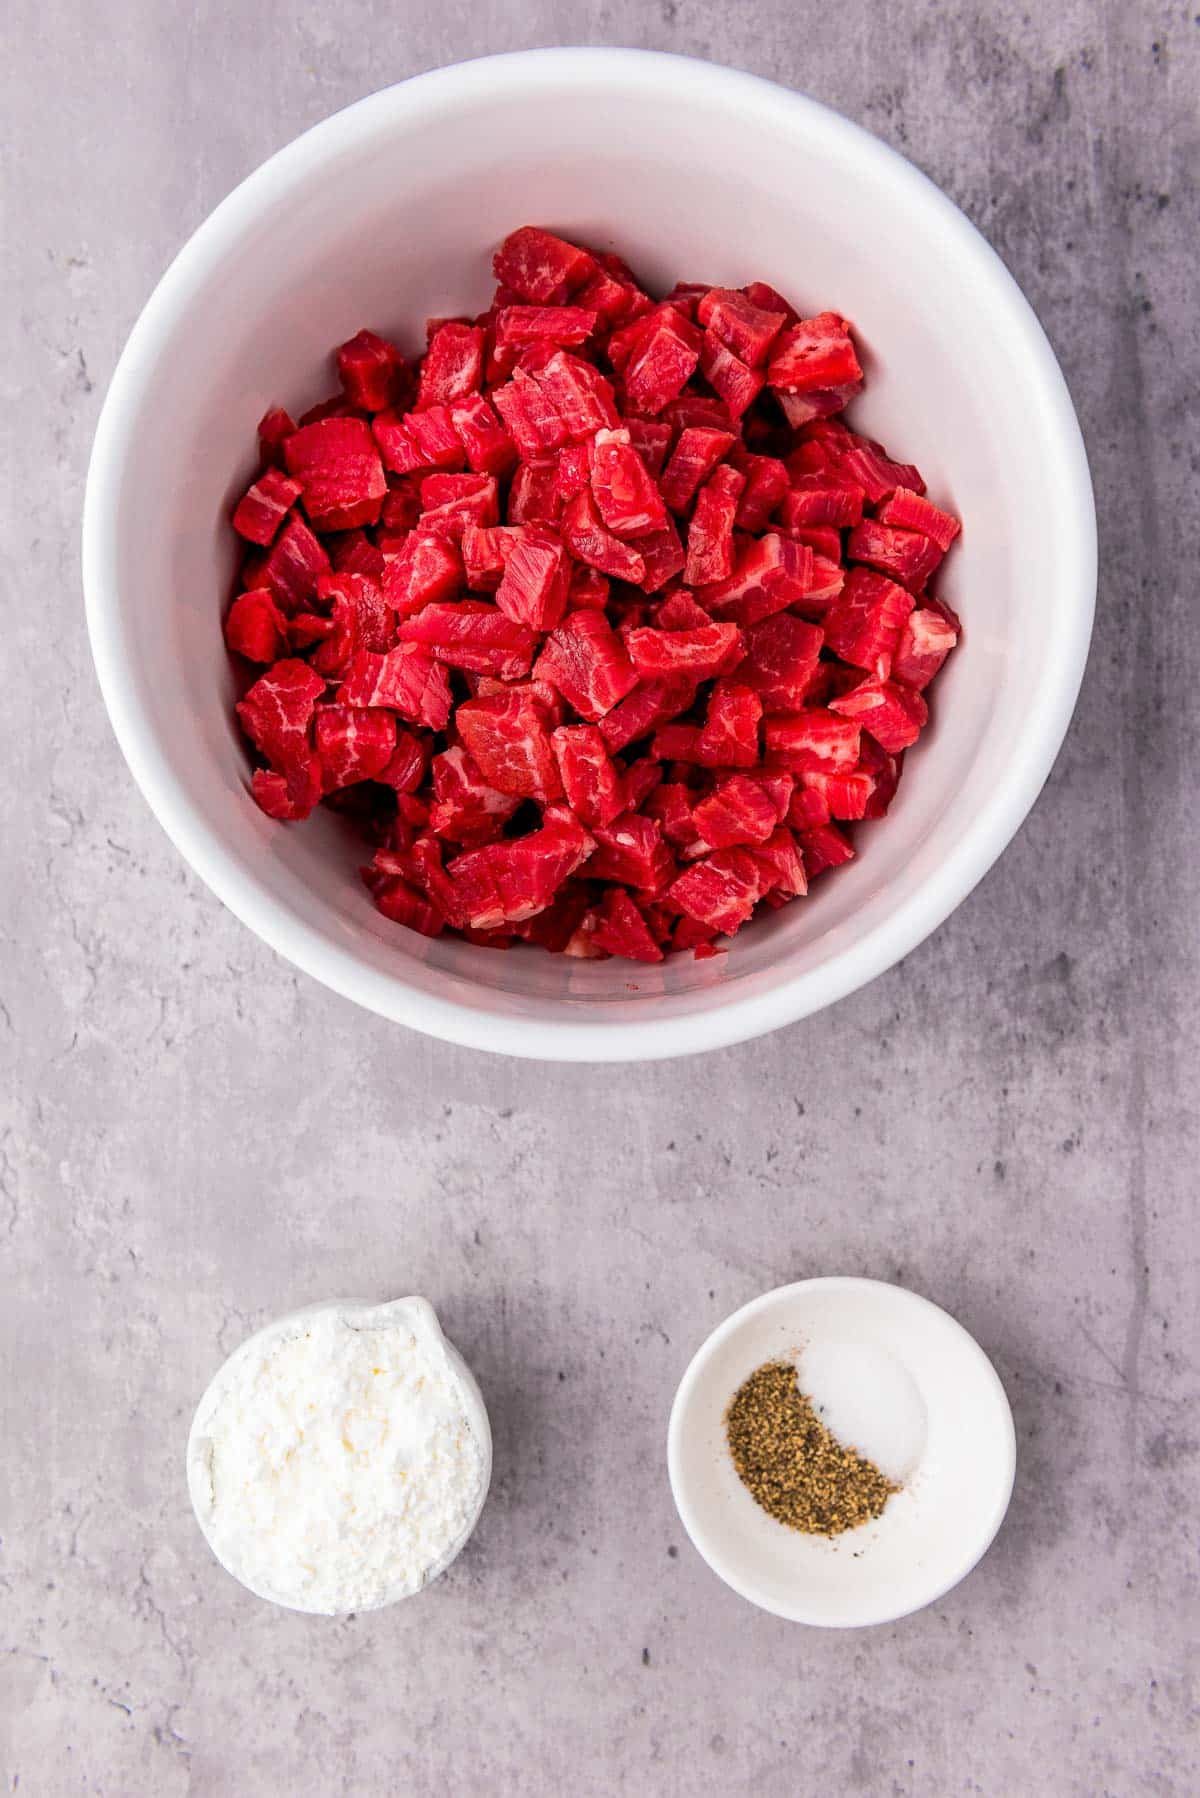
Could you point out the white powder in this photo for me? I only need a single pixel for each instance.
(333, 1464)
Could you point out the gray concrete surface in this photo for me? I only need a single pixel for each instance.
(1007, 1122)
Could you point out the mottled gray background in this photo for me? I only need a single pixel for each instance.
(192, 1137)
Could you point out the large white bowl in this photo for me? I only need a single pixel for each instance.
(389, 211)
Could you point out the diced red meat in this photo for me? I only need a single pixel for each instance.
(588, 589)
(769, 574)
(486, 444)
(533, 497)
(782, 654)
(782, 864)
(563, 326)
(813, 739)
(729, 738)
(587, 537)
(467, 809)
(507, 737)
(833, 503)
(274, 425)
(662, 364)
(766, 486)
(845, 793)
(626, 497)
(908, 557)
(474, 635)
(744, 328)
(405, 770)
(710, 534)
(693, 459)
(290, 567)
(291, 794)
(618, 926)
(814, 353)
(276, 714)
(337, 465)
(824, 847)
(353, 743)
(543, 269)
(926, 640)
(373, 373)
(579, 395)
(424, 570)
(264, 506)
(699, 653)
(806, 809)
(255, 627)
(720, 890)
(587, 663)
(450, 502)
(533, 588)
(736, 811)
(530, 417)
(631, 850)
(453, 365)
(913, 512)
(404, 905)
(863, 624)
(737, 385)
(407, 680)
(662, 556)
(894, 715)
(651, 703)
(593, 786)
(419, 440)
(505, 883)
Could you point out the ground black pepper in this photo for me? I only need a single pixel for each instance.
(792, 1465)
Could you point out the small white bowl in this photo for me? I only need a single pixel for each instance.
(390, 211)
(895, 1377)
(422, 1315)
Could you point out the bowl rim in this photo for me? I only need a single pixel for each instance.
(569, 1036)
(700, 1538)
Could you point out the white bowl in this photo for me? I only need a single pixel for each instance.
(894, 1377)
(389, 211)
(413, 1313)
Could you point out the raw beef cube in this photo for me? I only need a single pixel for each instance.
(406, 680)
(782, 654)
(631, 850)
(290, 567)
(819, 501)
(618, 926)
(813, 739)
(894, 715)
(337, 406)
(574, 471)
(640, 780)
(505, 883)
(737, 385)
(450, 502)
(264, 506)
(291, 794)
(912, 512)
(532, 421)
(822, 539)
(907, 556)
(588, 589)
(487, 446)
(769, 574)
(766, 485)
(721, 890)
(590, 780)
(677, 743)
(884, 770)
(554, 927)
(507, 738)
(662, 364)
(744, 328)
(928, 636)
(710, 534)
(277, 712)
(402, 507)
(405, 771)
(697, 653)
(864, 623)
(466, 808)
(562, 326)
(680, 612)
(541, 268)
(484, 551)
(729, 738)
(587, 663)
(690, 934)
(824, 847)
(693, 459)
(255, 627)
(782, 864)
(353, 743)
(736, 811)
(533, 589)
(670, 805)
(662, 556)
(814, 353)
(579, 395)
(533, 496)
(759, 293)
(651, 438)
(592, 542)
(453, 365)
(472, 634)
(651, 703)
(700, 411)
(404, 905)
(373, 373)
(372, 620)
(626, 497)
(337, 465)
(822, 402)
(423, 571)
(807, 809)
(846, 794)
(418, 441)
(274, 425)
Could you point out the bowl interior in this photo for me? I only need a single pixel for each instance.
(893, 1376)
(388, 213)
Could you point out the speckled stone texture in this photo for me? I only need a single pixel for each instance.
(1006, 1122)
